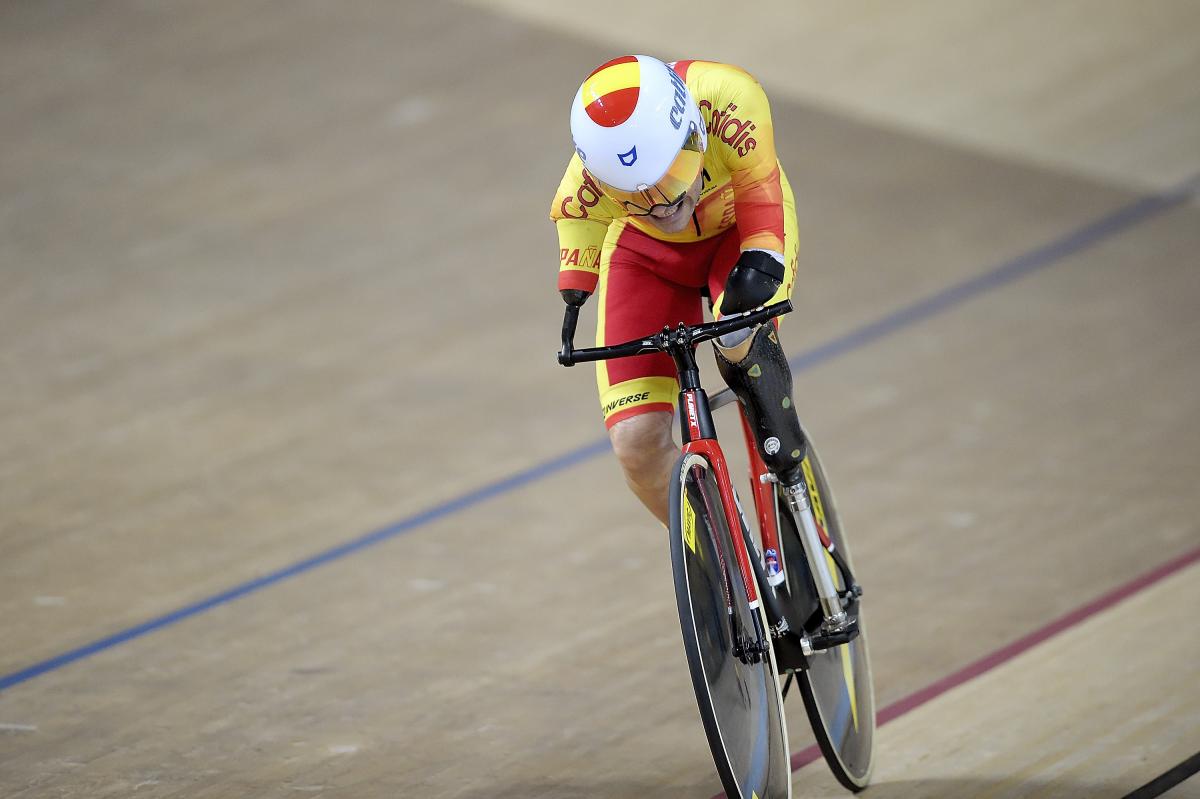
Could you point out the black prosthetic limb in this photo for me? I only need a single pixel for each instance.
(763, 382)
(752, 281)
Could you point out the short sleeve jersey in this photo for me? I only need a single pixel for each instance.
(742, 179)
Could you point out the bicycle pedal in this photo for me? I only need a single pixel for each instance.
(820, 641)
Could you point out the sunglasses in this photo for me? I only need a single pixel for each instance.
(667, 193)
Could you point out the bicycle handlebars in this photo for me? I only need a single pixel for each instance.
(570, 320)
(667, 339)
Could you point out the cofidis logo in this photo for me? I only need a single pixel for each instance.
(728, 128)
(681, 95)
(575, 206)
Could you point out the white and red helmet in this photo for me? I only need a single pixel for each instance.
(639, 132)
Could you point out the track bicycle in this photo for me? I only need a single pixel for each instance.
(750, 614)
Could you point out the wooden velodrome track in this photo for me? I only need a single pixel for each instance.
(294, 500)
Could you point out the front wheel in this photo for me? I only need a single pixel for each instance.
(728, 646)
(836, 684)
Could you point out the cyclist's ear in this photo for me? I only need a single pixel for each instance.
(574, 297)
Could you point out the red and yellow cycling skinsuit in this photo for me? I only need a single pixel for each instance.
(647, 278)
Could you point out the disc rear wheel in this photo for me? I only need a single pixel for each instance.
(837, 687)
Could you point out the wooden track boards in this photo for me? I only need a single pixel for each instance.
(276, 277)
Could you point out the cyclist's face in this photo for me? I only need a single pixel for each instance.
(674, 218)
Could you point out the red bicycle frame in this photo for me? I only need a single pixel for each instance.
(705, 443)
(697, 429)
(763, 492)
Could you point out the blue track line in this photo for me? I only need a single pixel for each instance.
(1120, 220)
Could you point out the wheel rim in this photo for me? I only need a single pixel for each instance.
(837, 686)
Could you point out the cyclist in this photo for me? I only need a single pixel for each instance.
(674, 194)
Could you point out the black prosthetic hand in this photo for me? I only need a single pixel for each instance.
(763, 382)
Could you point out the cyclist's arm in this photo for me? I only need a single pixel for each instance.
(582, 215)
(579, 243)
(754, 168)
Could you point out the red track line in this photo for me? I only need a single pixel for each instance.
(1006, 653)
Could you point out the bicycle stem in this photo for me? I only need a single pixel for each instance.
(695, 422)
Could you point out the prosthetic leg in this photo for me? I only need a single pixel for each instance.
(758, 372)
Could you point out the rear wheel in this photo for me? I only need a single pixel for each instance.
(838, 692)
(727, 645)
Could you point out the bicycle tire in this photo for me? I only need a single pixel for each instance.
(740, 702)
(838, 691)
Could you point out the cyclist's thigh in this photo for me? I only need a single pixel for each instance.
(633, 302)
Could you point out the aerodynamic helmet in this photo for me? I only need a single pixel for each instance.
(639, 132)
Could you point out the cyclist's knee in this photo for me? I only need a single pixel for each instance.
(642, 443)
(753, 280)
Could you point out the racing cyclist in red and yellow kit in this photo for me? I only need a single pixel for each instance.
(675, 194)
